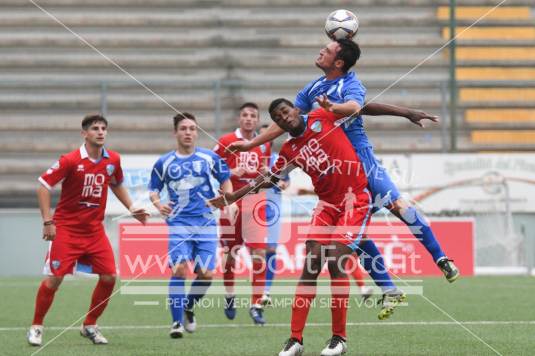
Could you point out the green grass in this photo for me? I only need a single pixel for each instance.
(467, 300)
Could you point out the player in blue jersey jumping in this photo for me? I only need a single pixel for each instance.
(191, 175)
(342, 87)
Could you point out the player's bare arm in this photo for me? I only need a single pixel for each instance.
(228, 198)
(49, 227)
(272, 132)
(140, 214)
(349, 108)
(415, 116)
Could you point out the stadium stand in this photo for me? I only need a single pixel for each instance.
(209, 56)
(496, 74)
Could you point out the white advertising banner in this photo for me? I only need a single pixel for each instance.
(438, 182)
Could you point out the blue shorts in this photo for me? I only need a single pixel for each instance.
(193, 239)
(273, 217)
(384, 191)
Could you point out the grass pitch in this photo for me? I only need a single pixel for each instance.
(498, 310)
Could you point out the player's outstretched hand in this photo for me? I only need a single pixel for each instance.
(417, 116)
(140, 214)
(49, 232)
(324, 102)
(219, 202)
(238, 146)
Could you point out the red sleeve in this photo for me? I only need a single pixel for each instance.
(219, 149)
(56, 173)
(118, 176)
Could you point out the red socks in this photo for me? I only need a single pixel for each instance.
(304, 297)
(43, 301)
(339, 304)
(99, 301)
(259, 280)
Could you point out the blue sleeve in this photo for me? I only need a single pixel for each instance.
(302, 101)
(156, 183)
(221, 171)
(354, 90)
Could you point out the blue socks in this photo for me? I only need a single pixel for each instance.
(197, 291)
(374, 264)
(271, 259)
(425, 235)
(176, 298)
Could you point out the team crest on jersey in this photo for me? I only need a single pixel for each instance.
(54, 167)
(197, 166)
(80, 168)
(263, 148)
(55, 264)
(316, 126)
(110, 168)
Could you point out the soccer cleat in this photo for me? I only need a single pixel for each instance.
(190, 324)
(35, 335)
(177, 330)
(451, 272)
(336, 346)
(266, 301)
(292, 348)
(366, 292)
(389, 302)
(92, 332)
(230, 309)
(255, 312)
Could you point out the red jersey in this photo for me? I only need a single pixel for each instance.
(251, 160)
(84, 189)
(324, 152)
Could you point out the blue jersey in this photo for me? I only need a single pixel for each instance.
(339, 90)
(190, 180)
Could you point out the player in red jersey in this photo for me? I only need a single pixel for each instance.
(245, 167)
(76, 232)
(320, 148)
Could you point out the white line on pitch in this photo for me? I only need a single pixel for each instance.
(147, 302)
(285, 325)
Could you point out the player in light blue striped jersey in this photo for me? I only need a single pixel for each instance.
(191, 175)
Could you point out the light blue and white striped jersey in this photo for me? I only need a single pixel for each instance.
(190, 181)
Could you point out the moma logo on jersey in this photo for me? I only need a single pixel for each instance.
(93, 185)
(312, 157)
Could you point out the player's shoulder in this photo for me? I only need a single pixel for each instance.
(229, 137)
(165, 157)
(114, 155)
(206, 154)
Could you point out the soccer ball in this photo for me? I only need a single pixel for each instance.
(341, 24)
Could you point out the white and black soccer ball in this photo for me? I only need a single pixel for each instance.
(341, 24)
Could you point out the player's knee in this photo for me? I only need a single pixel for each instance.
(108, 278)
(399, 205)
(258, 252)
(53, 282)
(205, 275)
(336, 269)
(179, 271)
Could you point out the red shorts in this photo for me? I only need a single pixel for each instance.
(342, 223)
(67, 249)
(249, 226)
